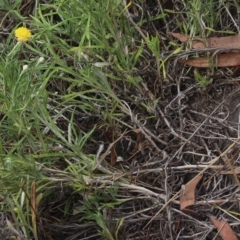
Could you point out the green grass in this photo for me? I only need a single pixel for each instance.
(46, 105)
(73, 85)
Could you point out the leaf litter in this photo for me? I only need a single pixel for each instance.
(187, 197)
(225, 231)
(212, 42)
(229, 59)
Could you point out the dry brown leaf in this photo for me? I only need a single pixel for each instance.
(109, 135)
(187, 197)
(189, 212)
(223, 60)
(236, 170)
(213, 42)
(34, 208)
(225, 231)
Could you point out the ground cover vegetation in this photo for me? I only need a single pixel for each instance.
(103, 127)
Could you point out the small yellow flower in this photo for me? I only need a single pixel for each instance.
(22, 34)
